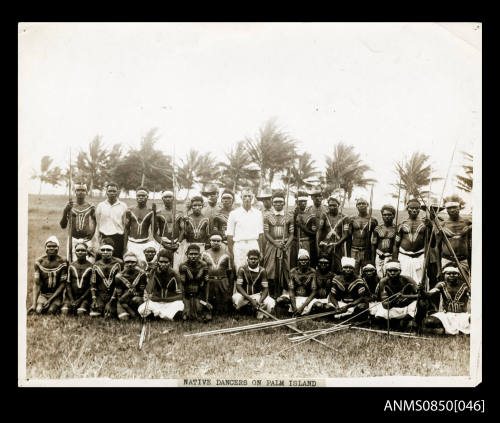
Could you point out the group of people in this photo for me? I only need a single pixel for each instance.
(214, 258)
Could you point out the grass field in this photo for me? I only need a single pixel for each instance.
(70, 347)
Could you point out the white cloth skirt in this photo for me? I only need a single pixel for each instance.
(163, 310)
(454, 322)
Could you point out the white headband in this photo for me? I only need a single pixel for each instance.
(278, 198)
(302, 198)
(452, 204)
(216, 237)
(165, 193)
(141, 191)
(450, 269)
(226, 194)
(369, 266)
(392, 265)
(302, 253)
(107, 246)
(52, 239)
(77, 186)
(348, 261)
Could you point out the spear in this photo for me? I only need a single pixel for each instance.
(174, 202)
(370, 213)
(70, 220)
(281, 252)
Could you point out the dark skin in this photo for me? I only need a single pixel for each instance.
(459, 240)
(302, 204)
(80, 194)
(192, 258)
(388, 218)
(348, 272)
(253, 263)
(149, 254)
(196, 215)
(168, 201)
(51, 249)
(106, 256)
(406, 240)
(212, 198)
(164, 265)
(333, 212)
(282, 244)
(394, 275)
(303, 265)
(140, 211)
(358, 234)
(81, 257)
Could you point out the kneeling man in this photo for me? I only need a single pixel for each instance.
(252, 286)
(50, 276)
(349, 293)
(404, 293)
(454, 298)
(301, 286)
(130, 286)
(163, 296)
(78, 283)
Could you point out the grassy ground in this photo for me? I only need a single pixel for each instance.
(70, 347)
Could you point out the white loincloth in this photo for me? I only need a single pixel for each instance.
(380, 263)
(239, 301)
(299, 300)
(412, 266)
(162, 310)
(394, 312)
(138, 248)
(454, 322)
(240, 250)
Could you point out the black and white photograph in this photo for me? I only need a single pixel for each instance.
(249, 204)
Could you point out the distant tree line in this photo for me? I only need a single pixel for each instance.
(253, 161)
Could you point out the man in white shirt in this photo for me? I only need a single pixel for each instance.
(245, 230)
(110, 215)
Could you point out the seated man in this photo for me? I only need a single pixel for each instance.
(349, 293)
(102, 282)
(370, 276)
(220, 275)
(51, 271)
(455, 296)
(130, 284)
(78, 283)
(402, 289)
(252, 286)
(324, 279)
(301, 286)
(194, 286)
(163, 296)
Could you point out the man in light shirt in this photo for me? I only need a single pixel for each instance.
(244, 230)
(110, 216)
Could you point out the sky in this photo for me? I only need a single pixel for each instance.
(388, 89)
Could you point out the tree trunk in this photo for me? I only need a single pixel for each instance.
(234, 186)
(40, 190)
(142, 180)
(91, 188)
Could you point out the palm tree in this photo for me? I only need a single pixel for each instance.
(207, 169)
(92, 164)
(414, 175)
(237, 170)
(187, 171)
(272, 150)
(302, 171)
(464, 183)
(46, 175)
(345, 170)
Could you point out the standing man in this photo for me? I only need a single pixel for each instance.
(211, 209)
(245, 230)
(220, 220)
(265, 197)
(220, 275)
(83, 220)
(409, 245)
(304, 229)
(317, 210)
(196, 227)
(459, 233)
(138, 221)
(110, 216)
(167, 232)
(383, 238)
(330, 230)
(360, 229)
(278, 232)
(51, 272)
